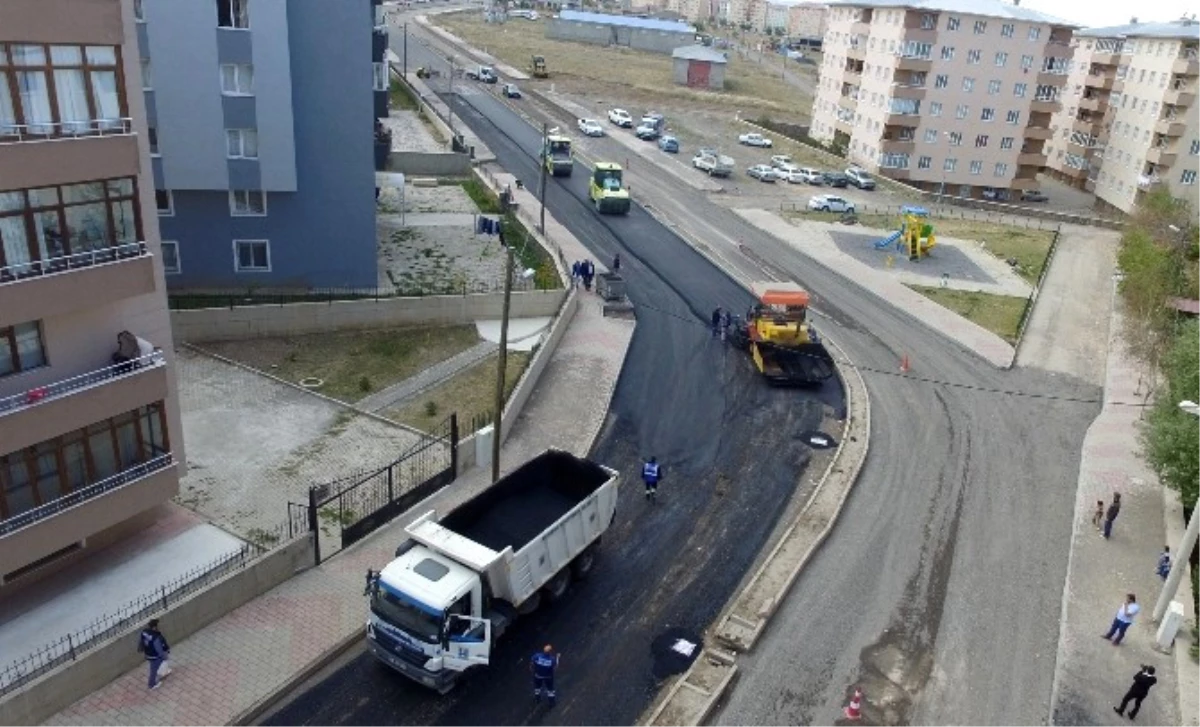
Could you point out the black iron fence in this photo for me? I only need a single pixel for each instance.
(361, 503)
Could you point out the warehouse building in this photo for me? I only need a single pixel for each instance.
(655, 36)
(698, 66)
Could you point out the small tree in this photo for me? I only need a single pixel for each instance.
(1171, 436)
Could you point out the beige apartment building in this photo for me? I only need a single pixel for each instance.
(90, 435)
(1129, 118)
(947, 95)
(807, 19)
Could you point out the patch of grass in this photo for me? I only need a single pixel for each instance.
(344, 359)
(529, 253)
(749, 85)
(1000, 314)
(484, 198)
(400, 97)
(470, 394)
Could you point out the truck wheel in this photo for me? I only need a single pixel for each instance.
(531, 604)
(584, 563)
(558, 585)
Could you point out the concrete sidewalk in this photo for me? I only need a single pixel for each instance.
(1091, 674)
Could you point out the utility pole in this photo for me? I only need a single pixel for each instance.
(406, 51)
(542, 178)
(502, 363)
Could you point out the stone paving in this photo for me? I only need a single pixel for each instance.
(409, 132)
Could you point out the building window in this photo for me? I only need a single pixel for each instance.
(40, 225)
(976, 167)
(993, 88)
(1006, 142)
(237, 79)
(1014, 117)
(21, 348)
(379, 73)
(1026, 62)
(987, 114)
(170, 257)
(980, 27)
(893, 161)
(947, 53)
(935, 108)
(952, 23)
(1001, 170)
(252, 256)
(165, 201)
(247, 203)
(973, 56)
(1194, 149)
(949, 165)
(941, 81)
(928, 21)
(147, 76)
(1035, 33)
(60, 90)
(1188, 177)
(1006, 30)
(139, 12)
(233, 14)
(45, 472)
(241, 143)
(924, 162)
(152, 139)
(955, 138)
(1001, 59)
(1019, 90)
(968, 84)
(981, 141)
(930, 136)
(961, 111)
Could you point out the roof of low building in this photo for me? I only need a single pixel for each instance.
(1183, 28)
(699, 53)
(627, 21)
(985, 8)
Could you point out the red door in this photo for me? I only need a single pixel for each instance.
(698, 74)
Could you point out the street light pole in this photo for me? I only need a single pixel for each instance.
(497, 422)
(1184, 553)
(542, 177)
(406, 51)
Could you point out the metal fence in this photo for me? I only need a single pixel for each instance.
(944, 213)
(246, 299)
(35, 268)
(71, 646)
(56, 389)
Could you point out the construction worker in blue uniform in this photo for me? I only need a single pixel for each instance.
(651, 474)
(542, 664)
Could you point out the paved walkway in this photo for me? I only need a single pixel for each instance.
(428, 378)
(1091, 674)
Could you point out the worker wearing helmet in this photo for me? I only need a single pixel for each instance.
(542, 664)
(651, 474)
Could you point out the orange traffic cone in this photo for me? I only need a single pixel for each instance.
(854, 709)
(904, 364)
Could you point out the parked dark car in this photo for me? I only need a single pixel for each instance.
(1033, 195)
(836, 179)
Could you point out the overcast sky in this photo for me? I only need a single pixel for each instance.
(1101, 13)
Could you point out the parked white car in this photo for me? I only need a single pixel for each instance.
(755, 140)
(762, 173)
(830, 203)
(808, 175)
(780, 160)
(785, 169)
(621, 118)
(590, 127)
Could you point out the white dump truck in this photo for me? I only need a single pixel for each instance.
(461, 579)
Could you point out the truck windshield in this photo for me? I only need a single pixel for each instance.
(417, 623)
(560, 148)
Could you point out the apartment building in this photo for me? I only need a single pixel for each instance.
(90, 435)
(261, 127)
(1129, 119)
(952, 96)
(807, 20)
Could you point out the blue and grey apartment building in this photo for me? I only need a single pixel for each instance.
(261, 121)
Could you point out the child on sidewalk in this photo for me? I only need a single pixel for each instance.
(1098, 516)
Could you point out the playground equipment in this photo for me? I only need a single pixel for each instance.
(915, 236)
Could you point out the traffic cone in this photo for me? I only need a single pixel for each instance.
(854, 709)
(904, 364)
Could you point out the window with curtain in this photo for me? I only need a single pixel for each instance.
(59, 89)
(69, 88)
(8, 110)
(37, 226)
(108, 102)
(35, 102)
(14, 241)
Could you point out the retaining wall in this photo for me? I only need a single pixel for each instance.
(58, 689)
(430, 164)
(223, 324)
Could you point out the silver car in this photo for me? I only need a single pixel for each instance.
(762, 173)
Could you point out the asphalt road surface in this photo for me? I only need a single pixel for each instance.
(733, 454)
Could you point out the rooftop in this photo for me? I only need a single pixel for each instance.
(1183, 28)
(699, 53)
(626, 21)
(985, 8)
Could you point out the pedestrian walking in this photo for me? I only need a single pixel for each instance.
(575, 267)
(543, 664)
(589, 272)
(726, 322)
(1164, 563)
(616, 263)
(1098, 516)
(1123, 619)
(716, 321)
(1111, 514)
(651, 474)
(154, 645)
(1142, 681)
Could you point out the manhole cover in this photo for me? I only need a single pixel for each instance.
(819, 440)
(674, 650)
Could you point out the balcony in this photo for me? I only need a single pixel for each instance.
(852, 76)
(1171, 126)
(1092, 103)
(857, 51)
(1102, 81)
(914, 63)
(38, 289)
(40, 412)
(1161, 155)
(97, 149)
(1029, 181)
(1033, 159)
(1044, 105)
(1188, 63)
(897, 146)
(45, 530)
(1038, 132)
(900, 90)
(1183, 96)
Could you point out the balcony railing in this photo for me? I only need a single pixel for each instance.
(37, 268)
(83, 494)
(20, 133)
(59, 389)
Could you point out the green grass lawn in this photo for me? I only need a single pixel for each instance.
(1000, 314)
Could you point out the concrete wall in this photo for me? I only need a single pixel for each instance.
(289, 320)
(653, 41)
(533, 372)
(430, 164)
(58, 689)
